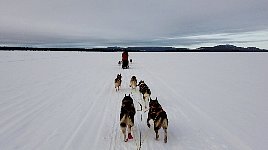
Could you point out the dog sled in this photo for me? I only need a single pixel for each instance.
(125, 65)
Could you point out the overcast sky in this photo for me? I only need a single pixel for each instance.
(94, 23)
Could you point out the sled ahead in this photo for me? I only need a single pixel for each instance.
(125, 62)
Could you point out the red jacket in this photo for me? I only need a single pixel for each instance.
(124, 56)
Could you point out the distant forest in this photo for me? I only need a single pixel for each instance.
(218, 48)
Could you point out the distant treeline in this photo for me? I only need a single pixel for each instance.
(218, 48)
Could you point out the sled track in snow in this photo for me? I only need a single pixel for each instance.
(140, 130)
(67, 100)
(198, 115)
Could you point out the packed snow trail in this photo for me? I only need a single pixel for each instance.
(67, 100)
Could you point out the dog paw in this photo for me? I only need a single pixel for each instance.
(165, 140)
(126, 140)
(157, 137)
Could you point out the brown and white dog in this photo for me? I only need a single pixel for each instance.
(159, 117)
(127, 116)
(133, 82)
(117, 82)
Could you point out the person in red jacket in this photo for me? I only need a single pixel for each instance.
(125, 59)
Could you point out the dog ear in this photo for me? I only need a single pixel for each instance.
(128, 94)
(155, 98)
(125, 94)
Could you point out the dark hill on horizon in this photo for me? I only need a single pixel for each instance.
(218, 48)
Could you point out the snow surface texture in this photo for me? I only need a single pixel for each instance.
(67, 100)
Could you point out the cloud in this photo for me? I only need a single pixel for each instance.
(99, 22)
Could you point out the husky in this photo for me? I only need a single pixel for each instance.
(117, 82)
(145, 91)
(159, 117)
(133, 82)
(146, 96)
(127, 116)
(142, 86)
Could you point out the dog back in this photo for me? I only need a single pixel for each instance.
(127, 109)
(118, 80)
(133, 82)
(161, 120)
(143, 88)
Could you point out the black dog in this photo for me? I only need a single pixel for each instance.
(127, 116)
(142, 86)
(159, 117)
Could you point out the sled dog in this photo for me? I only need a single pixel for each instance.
(117, 82)
(127, 116)
(159, 117)
(145, 91)
(133, 82)
(142, 86)
(146, 96)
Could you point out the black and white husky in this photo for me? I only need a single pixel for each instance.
(145, 91)
(127, 116)
(146, 96)
(133, 82)
(142, 86)
(159, 117)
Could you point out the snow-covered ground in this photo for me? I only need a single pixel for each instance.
(67, 100)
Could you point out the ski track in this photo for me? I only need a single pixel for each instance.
(75, 106)
(88, 113)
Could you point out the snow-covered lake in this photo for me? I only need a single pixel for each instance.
(67, 100)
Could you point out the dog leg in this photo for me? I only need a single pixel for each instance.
(124, 133)
(165, 126)
(129, 133)
(123, 126)
(144, 99)
(148, 119)
(165, 139)
(156, 133)
(116, 88)
(145, 102)
(157, 126)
